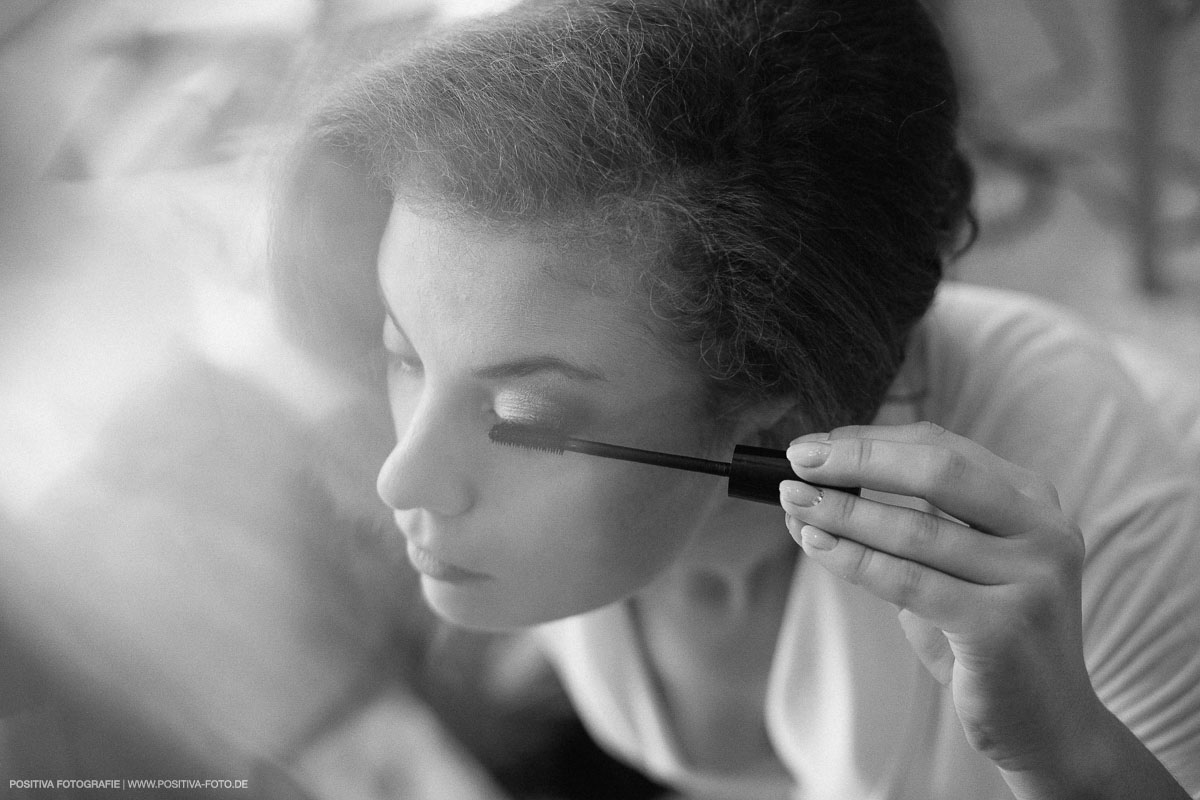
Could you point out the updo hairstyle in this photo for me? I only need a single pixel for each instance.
(793, 164)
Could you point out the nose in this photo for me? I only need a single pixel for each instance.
(429, 468)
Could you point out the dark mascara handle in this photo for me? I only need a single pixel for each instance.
(756, 472)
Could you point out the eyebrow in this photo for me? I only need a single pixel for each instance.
(530, 365)
(518, 367)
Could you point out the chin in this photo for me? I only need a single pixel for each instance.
(476, 609)
(472, 608)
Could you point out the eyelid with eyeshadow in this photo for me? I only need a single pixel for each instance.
(512, 404)
(522, 406)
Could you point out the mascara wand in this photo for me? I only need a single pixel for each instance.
(754, 472)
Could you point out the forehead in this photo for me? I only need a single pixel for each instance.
(450, 279)
(420, 244)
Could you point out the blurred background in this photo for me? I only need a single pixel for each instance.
(193, 580)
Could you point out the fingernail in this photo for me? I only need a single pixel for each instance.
(816, 539)
(801, 494)
(808, 454)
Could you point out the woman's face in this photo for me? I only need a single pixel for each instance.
(483, 326)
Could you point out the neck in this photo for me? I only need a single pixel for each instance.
(742, 558)
(709, 627)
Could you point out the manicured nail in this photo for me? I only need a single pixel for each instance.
(808, 454)
(801, 494)
(816, 539)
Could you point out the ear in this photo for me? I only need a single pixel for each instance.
(770, 423)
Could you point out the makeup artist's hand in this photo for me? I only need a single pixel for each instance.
(992, 607)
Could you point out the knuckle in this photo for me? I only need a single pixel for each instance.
(857, 572)
(849, 432)
(908, 583)
(845, 508)
(1031, 484)
(946, 467)
(930, 430)
(1037, 607)
(921, 531)
(860, 454)
(1055, 575)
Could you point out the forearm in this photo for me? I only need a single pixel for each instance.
(1106, 761)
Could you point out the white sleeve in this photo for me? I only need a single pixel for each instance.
(1044, 392)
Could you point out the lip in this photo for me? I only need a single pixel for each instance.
(431, 566)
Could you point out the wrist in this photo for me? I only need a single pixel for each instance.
(1081, 766)
(1099, 759)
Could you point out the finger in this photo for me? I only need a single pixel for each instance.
(930, 644)
(907, 533)
(1026, 481)
(942, 599)
(956, 475)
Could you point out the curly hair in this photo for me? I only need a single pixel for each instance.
(795, 163)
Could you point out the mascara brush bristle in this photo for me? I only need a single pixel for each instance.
(530, 437)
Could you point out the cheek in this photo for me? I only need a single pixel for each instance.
(652, 512)
(607, 534)
(567, 534)
(584, 539)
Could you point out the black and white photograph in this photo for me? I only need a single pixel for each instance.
(600, 399)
